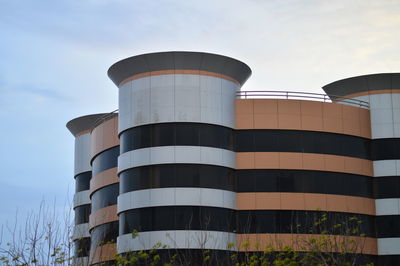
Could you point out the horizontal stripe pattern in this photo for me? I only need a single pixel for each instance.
(104, 197)
(82, 181)
(80, 231)
(81, 198)
(105, 160)
(104, 234)
(82, 214)
(176, 196)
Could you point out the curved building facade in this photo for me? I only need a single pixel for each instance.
(189, 163)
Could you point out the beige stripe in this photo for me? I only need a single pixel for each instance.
(177, 71)
(103, 216)
(82, 133)
(104, 136)
(302, 115)
(301, 242)
(303, 161)
(304, 201)
(103, 179)
(103, 253)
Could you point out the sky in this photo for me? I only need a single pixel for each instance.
(54, 57)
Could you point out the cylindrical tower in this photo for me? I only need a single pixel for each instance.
(104, 190)
(80, 127)
(176, 168)
(382, 92)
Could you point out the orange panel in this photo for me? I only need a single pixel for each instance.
(309, 122)
(244, 121)
(266, 121)
(246, 201)
(266, 160)
(289, 107)
(315, 201)
(352, 127)
(290, 160)
(289, 121)
(265, 106)
(103, 179)
(313, 161)
(103, 253)
(311, 108)
(292, 201)
(104, 136)
(244, 106)
(267, 201)
(332, 124)
(102, 216)
(300, 242)
(334, 163)
(245, 160)
(332, 110)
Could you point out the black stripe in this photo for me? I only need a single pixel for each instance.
(387, 226)
(82, 214)
(258, 140)
(82, 181)
(252, 221)
(177, 175)
(387, 187)
(105, 160)
(385, 149)
(104, 234)
(388, 260)
(251, 180)
(104, 197)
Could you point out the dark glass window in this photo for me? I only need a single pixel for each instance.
(177, 218)
(82, 247)
(273, 140)
(387, 187)
(104, 234)
(105, 160)
(82, 214)
(388, 226)
(177, 175)
(82, 181)
(104, 197)
(175, 134)
(304, 181)
(385, 149)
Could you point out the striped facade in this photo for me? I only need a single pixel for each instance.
(187, 163)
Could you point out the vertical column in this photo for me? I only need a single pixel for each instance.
(80, 127)
(104, 190)
(382, 92)
(176, 120)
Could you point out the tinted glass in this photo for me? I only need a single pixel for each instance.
(177, 175)
(82, 247)
(388, 226)
(104, 234)
(271, 140)
(304, 181)
(385, 149)
(104, 197)
(387, 187)
(175, 134)
(82, 181)
(82, 214)
(106, 160)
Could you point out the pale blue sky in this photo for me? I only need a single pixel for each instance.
(54, 56)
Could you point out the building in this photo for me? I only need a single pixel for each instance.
(192, 162)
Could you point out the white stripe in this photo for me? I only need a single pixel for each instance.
(387, 207)
(386, 168)
(82, 154)
(179, 239)
(81, 198)
(80, 231)
(178, 197)
(176, 154)
(389, 246)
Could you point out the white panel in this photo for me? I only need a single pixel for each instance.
(387, 206)
(176, 196)
(378, 101)
(177, 98)
(176, 154)
(385, 167)
(162, 98)
(396, 128)
(80, 231)
(82, 154)
(389, 246)
(141, 102)
(180, 239)
(381, 116)
(382, 130)
(396, 100)
(80, 261)
(81, 198)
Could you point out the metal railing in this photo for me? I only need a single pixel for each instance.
(104, 118)
(294, 95)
